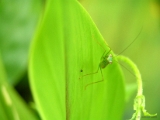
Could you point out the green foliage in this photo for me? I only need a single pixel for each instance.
(12, 107)
(66, 46)
(66, 43)
(17, 23)
(139, 101)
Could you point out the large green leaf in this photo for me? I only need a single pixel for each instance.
(68, 45)
(17, 24)
(12, 107)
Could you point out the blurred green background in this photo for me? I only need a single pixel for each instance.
(18, 21)
(119, 23)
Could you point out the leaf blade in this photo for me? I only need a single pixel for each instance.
(66, 43)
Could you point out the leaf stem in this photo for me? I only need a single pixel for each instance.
(139, 101)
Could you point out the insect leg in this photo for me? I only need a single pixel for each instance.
(108, 52)
(89, 73)
(103, 54)
(96, 81)
(93, 72)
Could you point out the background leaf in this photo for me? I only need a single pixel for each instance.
(17, 23)
(12, 107)
(67, 42)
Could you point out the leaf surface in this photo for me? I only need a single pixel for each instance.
(68, 45)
